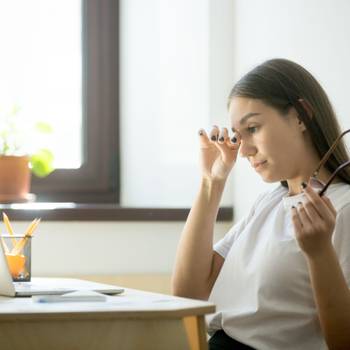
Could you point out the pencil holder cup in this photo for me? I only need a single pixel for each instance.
(19, 256)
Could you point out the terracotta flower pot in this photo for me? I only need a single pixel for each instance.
(14, 179)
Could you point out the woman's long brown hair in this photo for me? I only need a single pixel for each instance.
(281, 83)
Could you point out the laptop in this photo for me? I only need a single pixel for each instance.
(47, 285)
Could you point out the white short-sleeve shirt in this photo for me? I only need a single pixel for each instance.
(263, 292)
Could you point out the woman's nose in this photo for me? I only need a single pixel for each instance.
(247, 149)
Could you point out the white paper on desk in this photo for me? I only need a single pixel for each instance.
(79, 295)
(138, 300)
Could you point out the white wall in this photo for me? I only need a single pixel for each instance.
(314, 33)
(114, 248)
(176, 71)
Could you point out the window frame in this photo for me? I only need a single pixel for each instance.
(98, 179)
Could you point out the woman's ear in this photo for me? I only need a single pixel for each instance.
(301, 125)
(307, 107)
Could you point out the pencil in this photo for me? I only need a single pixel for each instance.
(9, 228)
(29, 232)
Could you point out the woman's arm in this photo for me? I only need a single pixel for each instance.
(314, 223)
(332, 297)
(197, 265)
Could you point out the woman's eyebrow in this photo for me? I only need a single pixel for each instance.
(245, 118)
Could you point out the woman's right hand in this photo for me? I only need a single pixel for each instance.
(218, 153)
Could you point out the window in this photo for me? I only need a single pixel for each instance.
(65, 55)
(166, 84)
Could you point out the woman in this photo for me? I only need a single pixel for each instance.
(280, 277)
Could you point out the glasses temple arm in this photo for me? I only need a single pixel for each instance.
(329, 152)
(324, 189)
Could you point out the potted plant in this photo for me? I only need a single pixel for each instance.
(21, 154)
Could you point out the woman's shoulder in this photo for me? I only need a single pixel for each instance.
(270, 196)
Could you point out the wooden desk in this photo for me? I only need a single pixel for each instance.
(135, 320)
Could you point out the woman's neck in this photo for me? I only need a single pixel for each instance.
(294, 185)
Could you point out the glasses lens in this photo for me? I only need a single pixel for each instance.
(316, 184)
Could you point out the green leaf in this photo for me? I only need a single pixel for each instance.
(43, 127)
(42, 163)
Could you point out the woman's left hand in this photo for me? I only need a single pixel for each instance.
(314, 223)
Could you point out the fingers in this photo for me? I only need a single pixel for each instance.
(296, 221)
(220, 137)
(316, 216)
(223, 136)
(303, 215)
(322, 205)
(204, 139)
(224, 139)
(214, 133)
(310, 211)
(329, 205)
